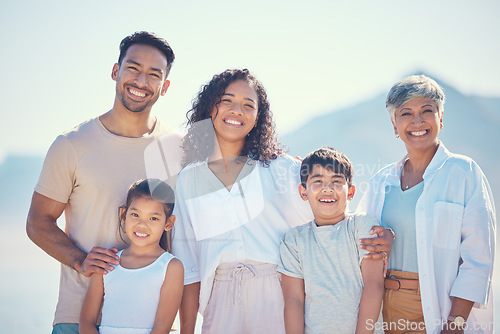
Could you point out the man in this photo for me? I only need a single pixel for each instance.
(88, 170)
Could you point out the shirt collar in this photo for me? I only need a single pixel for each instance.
(442, 154)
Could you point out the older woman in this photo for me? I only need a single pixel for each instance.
(440, 206)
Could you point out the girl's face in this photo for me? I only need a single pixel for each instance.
(236, 115)
(145, 221)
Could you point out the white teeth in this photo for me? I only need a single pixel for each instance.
(419, 133)
(141, 234)
(136, 93)
(230, 121)
(327, 200)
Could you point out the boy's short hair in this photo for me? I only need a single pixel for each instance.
(328, 158)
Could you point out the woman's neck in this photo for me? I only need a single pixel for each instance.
(419, 160)
(414, 168)
(226, 151)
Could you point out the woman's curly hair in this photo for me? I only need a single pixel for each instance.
(260, 144)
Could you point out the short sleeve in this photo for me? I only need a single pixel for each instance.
(363, 223)
(57, 178)
(290, 263)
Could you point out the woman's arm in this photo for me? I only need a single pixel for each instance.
(170, 297)
(371, 297)
(92, 305)
(294, 295)
(459, 307)
(189, 307)
(379, 247)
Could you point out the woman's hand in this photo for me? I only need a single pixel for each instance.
(380, 246)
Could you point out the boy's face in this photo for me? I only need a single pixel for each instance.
(327, 193)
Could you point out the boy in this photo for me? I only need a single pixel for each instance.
(327, 286)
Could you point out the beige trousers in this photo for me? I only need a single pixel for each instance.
(246, 299)
(402, 310)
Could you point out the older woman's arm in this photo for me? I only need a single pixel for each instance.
(477, 247)
(379, 247)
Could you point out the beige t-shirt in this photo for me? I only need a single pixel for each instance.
(91, 169)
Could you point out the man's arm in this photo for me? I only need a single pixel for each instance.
(189, 307)
(371, 297)
(294, 295)
(42, 229)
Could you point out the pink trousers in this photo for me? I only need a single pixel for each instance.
(246, 299)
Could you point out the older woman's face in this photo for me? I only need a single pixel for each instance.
(418, 123)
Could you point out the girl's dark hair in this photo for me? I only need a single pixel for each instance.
(159, 191)
(260, 144)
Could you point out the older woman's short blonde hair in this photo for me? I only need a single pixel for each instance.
(412, 87)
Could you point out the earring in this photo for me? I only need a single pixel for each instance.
(397, 136)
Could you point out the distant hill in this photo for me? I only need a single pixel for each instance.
(365, 133)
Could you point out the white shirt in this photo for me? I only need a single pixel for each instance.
(455, 233)
(217, 226)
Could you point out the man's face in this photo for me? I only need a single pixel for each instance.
(141, 77)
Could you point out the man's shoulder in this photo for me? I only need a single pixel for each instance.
(83, 129)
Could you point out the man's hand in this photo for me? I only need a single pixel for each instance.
(99, 260)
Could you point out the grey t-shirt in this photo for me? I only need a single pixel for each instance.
(328, 259)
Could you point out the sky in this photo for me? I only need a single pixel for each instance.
(313, 57)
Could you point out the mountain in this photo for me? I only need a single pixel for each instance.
(365, 134)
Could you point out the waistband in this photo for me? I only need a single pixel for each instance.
(401, 280)
(244, 270)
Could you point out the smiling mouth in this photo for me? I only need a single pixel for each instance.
(141, 235)
(232, 122)
(418, 133)
(138, 93)
(327, 200)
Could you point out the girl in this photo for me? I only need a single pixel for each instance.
(237, 196)
(143, 293)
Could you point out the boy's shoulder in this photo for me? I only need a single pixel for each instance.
(297, 231)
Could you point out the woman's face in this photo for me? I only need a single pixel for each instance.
(418, 123)
(236, 115)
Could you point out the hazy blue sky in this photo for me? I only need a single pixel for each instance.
(312, 56)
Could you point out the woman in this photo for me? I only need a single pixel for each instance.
(440, 207)
(237, 196)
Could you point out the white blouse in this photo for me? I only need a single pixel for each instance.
(215, 226)
(455, 235)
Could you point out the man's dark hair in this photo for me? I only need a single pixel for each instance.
(330, 159)
(147, 38)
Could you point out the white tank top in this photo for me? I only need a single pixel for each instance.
(131, 297)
